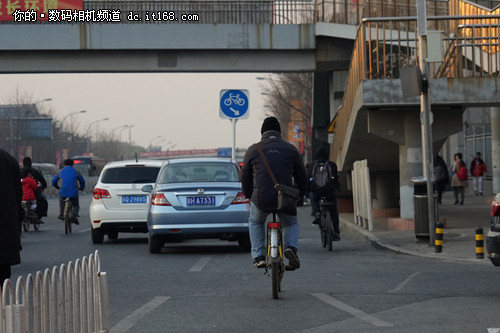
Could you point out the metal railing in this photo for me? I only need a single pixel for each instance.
(69, 298)
(236, 11)
(361, 195)
(383, 46)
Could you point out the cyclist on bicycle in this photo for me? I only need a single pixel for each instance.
(69, 189)
(323, 183)
(287, 165)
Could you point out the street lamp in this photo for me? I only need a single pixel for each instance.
(88, 130)
(114, 129)
(129, 133)
(151, 142)
(70, 114)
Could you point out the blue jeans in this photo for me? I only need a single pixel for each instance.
(257, 229)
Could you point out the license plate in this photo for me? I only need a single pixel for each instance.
(200, 201)
(134, 199)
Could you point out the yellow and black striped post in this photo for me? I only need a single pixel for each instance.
(479, 243)
(438, 242)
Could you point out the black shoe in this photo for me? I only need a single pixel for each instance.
(75, 221)
(259, 262)
(293, 259)
(480, 193)
(475, 193)
(456, 202)
(336, 237)
(60, 217)
(317, 219)
(461, 204)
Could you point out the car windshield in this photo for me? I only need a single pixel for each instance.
(130, 175)
(198, 172)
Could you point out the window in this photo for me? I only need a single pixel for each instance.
(199, 172)
(130, 175)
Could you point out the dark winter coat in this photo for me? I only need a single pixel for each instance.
(286, 164)
(10, 209)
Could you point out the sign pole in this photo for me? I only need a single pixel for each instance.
(425, 117)
(233, 151)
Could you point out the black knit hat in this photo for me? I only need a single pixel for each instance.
(270, 124)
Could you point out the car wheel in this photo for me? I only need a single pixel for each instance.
(113, 235)
(155, 244)
(245, 244)
(97, 236)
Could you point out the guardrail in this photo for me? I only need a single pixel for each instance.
(69, 298)
(471, 46)
(51, 191)
(234, 11)
(361, 195)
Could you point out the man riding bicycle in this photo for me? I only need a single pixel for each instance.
(323, 183)
(69, 188)
(287, 165)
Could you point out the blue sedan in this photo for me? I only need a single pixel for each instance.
(197, 198)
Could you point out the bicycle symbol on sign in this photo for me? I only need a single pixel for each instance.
(236, 99)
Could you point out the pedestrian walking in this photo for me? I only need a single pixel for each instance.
(477, 171)
(441, 175)
(459, 180)
(11, 214)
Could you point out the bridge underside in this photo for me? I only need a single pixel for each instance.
(378, 119)
(385, 129)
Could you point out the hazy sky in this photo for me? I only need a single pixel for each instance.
(182, 108)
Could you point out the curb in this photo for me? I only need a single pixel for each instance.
(375, 241)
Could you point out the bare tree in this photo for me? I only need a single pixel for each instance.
(288, 97)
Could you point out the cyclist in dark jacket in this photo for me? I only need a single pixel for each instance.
(329, 192)
(69, 189)
(288, 168)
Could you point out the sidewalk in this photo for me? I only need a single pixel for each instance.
(459, 233)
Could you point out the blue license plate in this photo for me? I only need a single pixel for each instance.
(134, 199)
(200, 201)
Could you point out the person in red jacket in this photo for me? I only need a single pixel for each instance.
(29, 185)
(477, 171)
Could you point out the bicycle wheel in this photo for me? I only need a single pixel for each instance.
(322, 230)
(329, 232)
(67, 217)
(276, 279)
(26, 224)
(36, 225)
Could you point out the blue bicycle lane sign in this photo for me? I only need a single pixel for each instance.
(234, 104)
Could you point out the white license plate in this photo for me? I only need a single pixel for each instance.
(200, 201)
(134, 199)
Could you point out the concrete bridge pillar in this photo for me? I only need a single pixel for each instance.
(495, 147)
(410, 162)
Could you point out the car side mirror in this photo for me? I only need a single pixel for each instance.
(147, 188)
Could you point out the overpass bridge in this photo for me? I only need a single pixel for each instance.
(356, 61)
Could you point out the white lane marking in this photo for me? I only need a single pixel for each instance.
(200, 264)
(127, 323)
(355, 312)
(403, 284)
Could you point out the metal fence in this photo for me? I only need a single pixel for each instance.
(470, 47)
(69, 298)
(237, 11)
(361, 195)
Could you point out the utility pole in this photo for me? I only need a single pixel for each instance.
(425, 116)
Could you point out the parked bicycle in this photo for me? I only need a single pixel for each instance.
(326, 225)
(30, 217)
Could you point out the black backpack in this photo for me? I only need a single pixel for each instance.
(323, 178)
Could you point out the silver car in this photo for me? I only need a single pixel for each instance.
(197, 198)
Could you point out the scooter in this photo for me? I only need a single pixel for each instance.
(493, 236)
